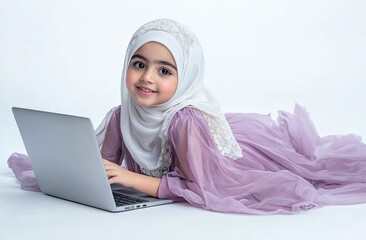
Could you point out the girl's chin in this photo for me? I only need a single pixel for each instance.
(144, 104)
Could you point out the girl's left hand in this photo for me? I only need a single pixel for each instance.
(118, 174)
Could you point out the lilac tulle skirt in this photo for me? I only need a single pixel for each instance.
(22, 168)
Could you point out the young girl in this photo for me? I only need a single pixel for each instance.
(169, 139)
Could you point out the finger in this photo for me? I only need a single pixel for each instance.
(106, 162)
(113, 173)
(113, 169)
(112, 180)
(109, 173)
(110, 165)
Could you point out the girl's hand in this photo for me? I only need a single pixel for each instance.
(140, 182)
(118, 174)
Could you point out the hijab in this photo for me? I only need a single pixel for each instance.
(145, 129)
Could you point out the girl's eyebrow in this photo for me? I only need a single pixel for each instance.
(155, 61)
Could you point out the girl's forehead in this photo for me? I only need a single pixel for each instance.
(154, 45)
(155, 51)
(164, 38)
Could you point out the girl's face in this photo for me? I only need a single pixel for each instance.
(152, 76)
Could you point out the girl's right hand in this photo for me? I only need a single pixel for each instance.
(118, 174)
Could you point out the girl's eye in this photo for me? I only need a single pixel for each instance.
(165, 71)
(139, 65)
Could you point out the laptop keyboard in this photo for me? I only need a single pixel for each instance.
(122, 199)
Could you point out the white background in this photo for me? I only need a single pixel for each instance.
(261, 56)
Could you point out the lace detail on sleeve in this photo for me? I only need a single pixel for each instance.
(223, 136)
(165, 158)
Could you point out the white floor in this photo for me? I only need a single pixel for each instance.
(33, 215)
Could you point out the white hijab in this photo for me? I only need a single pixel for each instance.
(144, 130)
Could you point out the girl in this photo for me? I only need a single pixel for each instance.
(173, 142)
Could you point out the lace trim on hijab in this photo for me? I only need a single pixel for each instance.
(223, 136)
(184, 37)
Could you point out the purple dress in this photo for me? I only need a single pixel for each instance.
(286, 166)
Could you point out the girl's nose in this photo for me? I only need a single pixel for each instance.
(147, 76)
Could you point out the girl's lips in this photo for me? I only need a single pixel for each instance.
(145, 91)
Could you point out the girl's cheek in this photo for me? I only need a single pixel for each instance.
(169, 88)
(130, 77)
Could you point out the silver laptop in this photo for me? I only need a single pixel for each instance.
(67, 162)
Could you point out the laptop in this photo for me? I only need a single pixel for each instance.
(67, 162)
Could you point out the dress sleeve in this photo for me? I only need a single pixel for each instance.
(195, 154)
(112, 143)
(205, 178)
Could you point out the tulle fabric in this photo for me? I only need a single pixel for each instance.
(286, 166)
(23, 171)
